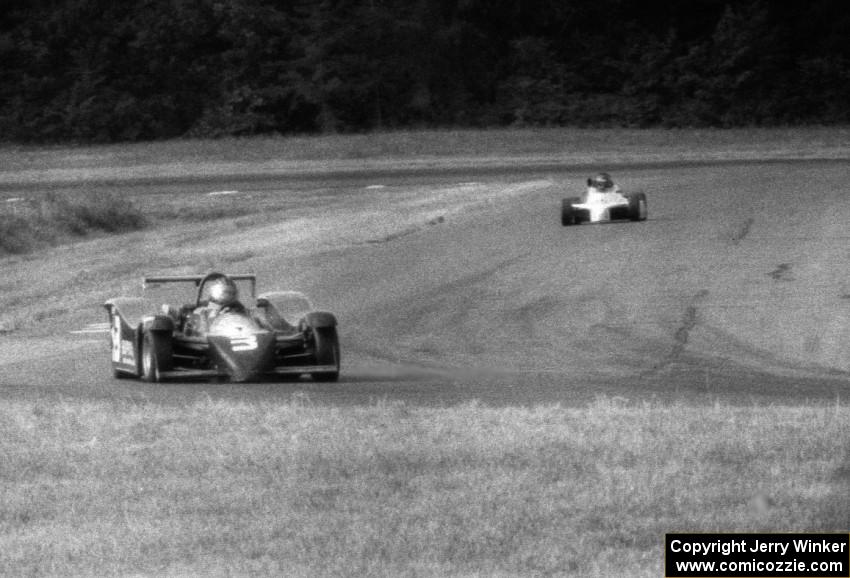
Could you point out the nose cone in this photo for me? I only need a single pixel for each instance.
(245, 354)
(233, 324)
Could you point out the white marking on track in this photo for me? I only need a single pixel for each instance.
(14, 199)
(216, 193)
(375, 186)
(93, 328)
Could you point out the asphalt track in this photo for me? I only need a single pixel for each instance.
(736, 290)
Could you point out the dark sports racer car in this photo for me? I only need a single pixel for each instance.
(280, 335)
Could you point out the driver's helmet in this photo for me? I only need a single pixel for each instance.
(223, 292)
(602, 181)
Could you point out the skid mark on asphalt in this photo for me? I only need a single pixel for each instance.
(454, 201)
(417, 320)
(393, 236)
(527, 316)
(458, 288)
(406, 231)
(746, 355)
(782, 272)
(743, 231)
(689, 321)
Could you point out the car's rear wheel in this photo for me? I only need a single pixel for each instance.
(156, 356)
(327, 353)
(568, 213)
(638, 210)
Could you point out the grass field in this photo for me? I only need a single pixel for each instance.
(289, 488)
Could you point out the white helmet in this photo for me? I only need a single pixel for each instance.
(223, 291)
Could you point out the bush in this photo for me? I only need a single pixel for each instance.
(57, 217)
(94, 212)
(16, 234)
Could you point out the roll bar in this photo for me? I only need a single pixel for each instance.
(196, 280)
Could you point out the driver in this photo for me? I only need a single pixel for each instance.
(224, 295)
(603, 183)
(221, 295)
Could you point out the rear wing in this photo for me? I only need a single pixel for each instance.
(196, 280)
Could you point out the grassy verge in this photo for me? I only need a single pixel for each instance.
(410, 149)
(54, 218)
(217, 488)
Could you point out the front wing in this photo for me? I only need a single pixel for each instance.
(602, 212)
(293, 370)
(244, 357)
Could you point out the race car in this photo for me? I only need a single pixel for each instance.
(603, 201)
(217, 336)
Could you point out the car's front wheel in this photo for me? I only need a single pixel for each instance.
(118, 374)
(568, 213)
(327, 353)
(156, 356)
(638, 210)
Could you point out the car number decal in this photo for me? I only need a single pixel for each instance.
(246, 343)
(116, 338)
(128, 352)
(122, 349)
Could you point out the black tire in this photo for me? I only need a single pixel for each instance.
(121, 374)
(638, 209)
(568, 214)
(327, 353)
(156, 356)
(579, 217)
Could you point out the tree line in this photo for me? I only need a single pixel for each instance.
(99, 70)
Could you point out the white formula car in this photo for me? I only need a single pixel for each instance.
(602, 202)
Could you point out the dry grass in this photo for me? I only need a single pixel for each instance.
(217, 488)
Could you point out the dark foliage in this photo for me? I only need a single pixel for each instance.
(93, 70)
(57, 217)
